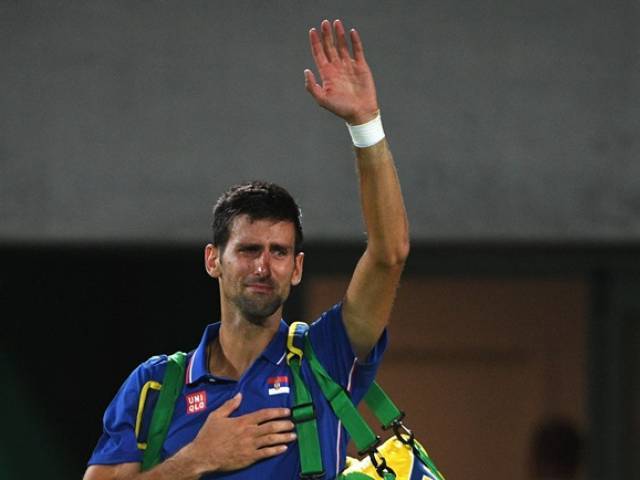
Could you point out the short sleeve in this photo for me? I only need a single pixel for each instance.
(332, 346)
(118, 442)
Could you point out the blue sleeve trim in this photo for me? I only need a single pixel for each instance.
(375, 355)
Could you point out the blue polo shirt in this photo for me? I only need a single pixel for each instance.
(267, 383)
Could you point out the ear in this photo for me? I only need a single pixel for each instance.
(212, 260)
(296, 278)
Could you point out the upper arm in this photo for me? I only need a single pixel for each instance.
(122, 471)
(368, 302)
(131, 408)
(370, 295)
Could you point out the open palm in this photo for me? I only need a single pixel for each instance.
(347, 87)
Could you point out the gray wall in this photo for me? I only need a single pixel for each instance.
(509, 120)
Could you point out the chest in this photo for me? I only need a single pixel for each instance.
(266, 386)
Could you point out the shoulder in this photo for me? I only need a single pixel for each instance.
(328, 327)
(331, 317)
(151, 370)
(331, 343)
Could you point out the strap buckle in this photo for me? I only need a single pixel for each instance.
(404, 434)
(370, 449)
(380, 465)
(393, 422)
(312, 476)
(303, 413)
(295, 340)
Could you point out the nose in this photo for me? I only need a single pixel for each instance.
(263, 268)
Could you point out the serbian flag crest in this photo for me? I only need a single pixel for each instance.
(278, 385)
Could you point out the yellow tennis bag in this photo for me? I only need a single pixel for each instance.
(401, 457)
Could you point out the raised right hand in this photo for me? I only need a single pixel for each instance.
(346, 85)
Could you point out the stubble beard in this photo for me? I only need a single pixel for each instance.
(257, 311)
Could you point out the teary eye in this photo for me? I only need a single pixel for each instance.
(249, 248)
(280, 251)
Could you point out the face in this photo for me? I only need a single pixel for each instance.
(257, 267)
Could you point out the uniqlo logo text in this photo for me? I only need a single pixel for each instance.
(196, 402)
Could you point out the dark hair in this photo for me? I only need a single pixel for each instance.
(259, 200)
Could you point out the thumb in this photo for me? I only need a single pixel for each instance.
(312, 87)
(228, 407)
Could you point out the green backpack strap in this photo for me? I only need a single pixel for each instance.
(361, 434)
(390, 416)
(303, 412)
(385, 411)
(163, 411)
(366, 441)
(382, 407)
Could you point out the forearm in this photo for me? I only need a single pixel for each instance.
(223, 443)
(348, 90)
(382, 205)
(181, 466)
(369, 297)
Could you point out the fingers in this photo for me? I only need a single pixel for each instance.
(275, 439)
(228, 407)
(273, 433)
(270, 452)
(276, 426)
(266, 414)
(327, 41)
(324, 47)
(356, 43)
(317, 51)
(312, 86)
(341, 41)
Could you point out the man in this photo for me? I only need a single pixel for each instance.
(233, 418)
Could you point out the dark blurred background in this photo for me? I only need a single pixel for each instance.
(515, 126)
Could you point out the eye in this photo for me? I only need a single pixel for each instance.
(280, 252)
(249, 249)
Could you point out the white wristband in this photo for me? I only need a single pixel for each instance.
(368, 133)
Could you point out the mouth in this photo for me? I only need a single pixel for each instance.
(260, 287)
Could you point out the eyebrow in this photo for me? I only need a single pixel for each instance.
(281, 246)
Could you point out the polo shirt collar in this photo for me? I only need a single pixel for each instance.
(197, 368)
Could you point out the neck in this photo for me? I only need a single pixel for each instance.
(239, 343)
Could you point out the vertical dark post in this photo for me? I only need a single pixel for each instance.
(614, 369)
